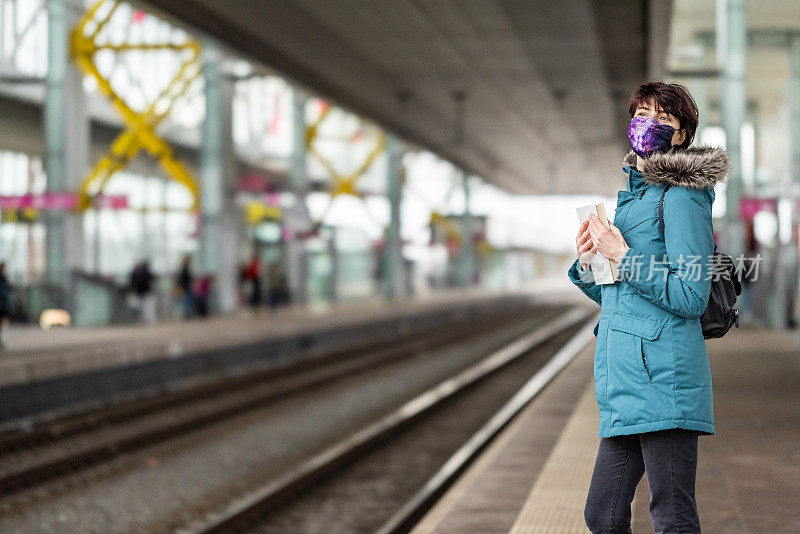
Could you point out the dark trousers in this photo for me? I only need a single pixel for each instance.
(670, 459)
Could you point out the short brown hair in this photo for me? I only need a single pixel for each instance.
(673, 98)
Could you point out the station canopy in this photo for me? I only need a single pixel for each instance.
(531, 96)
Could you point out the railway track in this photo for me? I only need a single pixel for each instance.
(64, 446)
(374, 481)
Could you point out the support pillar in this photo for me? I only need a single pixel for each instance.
(700, 88)
(466, 255)
(66, 140)
(733, 49)
(296, 258)
(393, 258)
(657, 38)
(754, 118)
(333, 252)
(792, 265)
(794, 115)
(784, 283)
(221, 220)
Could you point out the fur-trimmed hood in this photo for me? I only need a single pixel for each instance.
(695, 167)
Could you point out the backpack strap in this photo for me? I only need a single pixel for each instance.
(661, 215)
(661, 210)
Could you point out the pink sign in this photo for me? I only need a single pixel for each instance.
(253, 183)
(111, 202)
(273, 198)
(749, 206)
(59, 201)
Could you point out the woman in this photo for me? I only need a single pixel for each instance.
(651, 369)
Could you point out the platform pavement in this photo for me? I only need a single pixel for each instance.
(534, 477)
(31, 353)
(748, 477)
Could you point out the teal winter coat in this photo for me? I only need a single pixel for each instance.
(651, 367)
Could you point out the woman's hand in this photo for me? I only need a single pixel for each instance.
(584, 240)
(585, 260)
(608, 241)
(586, 249)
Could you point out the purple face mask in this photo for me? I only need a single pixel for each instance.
(648, 135)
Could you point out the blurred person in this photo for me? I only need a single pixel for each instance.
(253, 276)
(791, 274)
(652, 373)
(183, 285)
(202, 293)
(241, 287)
(278, 286)
(378, 266)
(141, 285)
(748, 272)
(5, 298)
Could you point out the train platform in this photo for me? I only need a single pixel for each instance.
(534, 477)
(44, 369)
(32, 353)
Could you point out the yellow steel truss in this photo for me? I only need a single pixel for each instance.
(140, 131)
(343, 184)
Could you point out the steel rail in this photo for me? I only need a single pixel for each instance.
(388, 350)
(277, 491)
(405, 518)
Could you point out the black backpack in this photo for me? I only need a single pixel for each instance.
(720, 314)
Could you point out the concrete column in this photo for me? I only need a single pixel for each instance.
(783, 260)
(699, 87)
(393, 258)
(792, 264)
(794, 112)
(466, 255)
(66, 140)
(733, 49)
(784, 280)
(296, 259)
(659, 15)
(754, 117)
(333, 252)
(221, 220)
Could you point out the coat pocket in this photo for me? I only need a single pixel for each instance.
(637, 341)
(634, 223)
